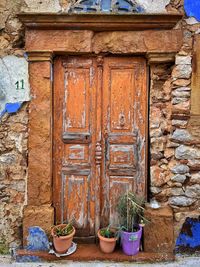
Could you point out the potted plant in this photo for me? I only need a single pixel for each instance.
(107, 239)
(62, 237)
(131, 209)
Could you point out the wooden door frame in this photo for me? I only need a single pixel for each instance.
(78, 34)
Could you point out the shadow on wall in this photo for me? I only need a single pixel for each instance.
(188, 240)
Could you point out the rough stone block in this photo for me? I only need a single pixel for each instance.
(180, 169)
(42, 216)
(179, 123)
(181, 135)
(186, 152)
(193, 191)
(61, 40)
(159, 233)
(183, 60)
(194, 164)
(181, 201)
(182, 72)
(195, 178)
(39, 144)
(179, 178)
(159, 177)
(137, 41)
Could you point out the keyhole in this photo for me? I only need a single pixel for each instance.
(122, 120)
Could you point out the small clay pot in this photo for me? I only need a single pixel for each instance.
(62, 243)
(107, 245)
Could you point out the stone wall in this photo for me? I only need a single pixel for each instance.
(13, 166)
(175, 153)
(174, 132)
(13, 119)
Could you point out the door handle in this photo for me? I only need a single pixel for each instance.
(98, 153)
(106, 144)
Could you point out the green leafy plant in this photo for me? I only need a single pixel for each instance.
(63, 230)
(131, 212)
(108, 232)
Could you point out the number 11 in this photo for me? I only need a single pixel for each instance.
(18, 83)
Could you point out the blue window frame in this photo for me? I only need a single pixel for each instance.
(106, 6)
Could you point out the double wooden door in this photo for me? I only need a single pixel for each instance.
(99, 140)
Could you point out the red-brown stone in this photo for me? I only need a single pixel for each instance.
(137, 41)
(42, 216)
(159, 233)
(39, 142)
(59, 40)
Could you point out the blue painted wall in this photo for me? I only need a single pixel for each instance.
(192, 8)
(189, 237)
(11, 108)
(37, 239)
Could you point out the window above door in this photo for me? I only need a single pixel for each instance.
(106, 6)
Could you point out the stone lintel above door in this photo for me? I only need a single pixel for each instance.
(100, 22)
(132, 42)
(128, 34)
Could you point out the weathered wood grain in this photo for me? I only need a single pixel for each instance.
(124, 125)
(100, 114)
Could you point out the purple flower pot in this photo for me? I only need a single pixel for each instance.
(131, 242)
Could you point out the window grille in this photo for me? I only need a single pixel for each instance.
(106, 6)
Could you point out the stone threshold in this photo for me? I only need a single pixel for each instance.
(91, 252)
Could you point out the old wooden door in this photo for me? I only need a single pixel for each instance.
(100, 110)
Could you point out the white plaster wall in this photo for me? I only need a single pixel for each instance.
(41, 6)
(13, 69)
(154, 6)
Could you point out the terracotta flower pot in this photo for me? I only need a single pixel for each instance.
(107, 245)
(62, 243)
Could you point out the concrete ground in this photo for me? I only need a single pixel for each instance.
(5, 261)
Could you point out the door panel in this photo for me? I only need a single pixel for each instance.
(120, 97)
(74, 142)
(118, 185)
(99, 137)
(121, 132)
(77, 98)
